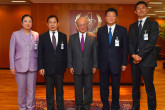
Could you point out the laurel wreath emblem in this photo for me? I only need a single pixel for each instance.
(99, 21)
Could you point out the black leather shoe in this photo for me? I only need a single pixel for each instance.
(78, 108)
(135, 108)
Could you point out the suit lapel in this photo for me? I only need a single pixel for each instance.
(78, 41)
(24, 36)
(49, 40)
(114, 34)
(144, 26)
(33, 38)
(106, 32)
(105, 35)
(136, 32)
(136, 29)
(59, 41)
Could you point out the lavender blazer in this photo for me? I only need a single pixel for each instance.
(22, 55)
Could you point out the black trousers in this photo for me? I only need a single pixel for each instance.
(147, 73)
(52, 81)
(80, 81)
(104, 89)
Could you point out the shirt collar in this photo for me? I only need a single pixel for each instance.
(143, 20)
(51, 32)
(113, 26)
(83, 34)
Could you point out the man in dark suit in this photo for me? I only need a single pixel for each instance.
(143, 36)
(82, 61)
(52, 62)
(113, 56)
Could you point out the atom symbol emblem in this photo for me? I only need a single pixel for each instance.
(91, 21)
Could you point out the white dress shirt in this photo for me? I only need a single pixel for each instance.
(55, 34)
(80, 36)
(143, 21)
(112, 28)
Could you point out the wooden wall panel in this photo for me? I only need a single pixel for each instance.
(1, 52)
(40, 15)
(10, 21)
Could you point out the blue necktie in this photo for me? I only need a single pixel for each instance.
(110, 35)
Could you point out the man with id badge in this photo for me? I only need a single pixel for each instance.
(52, 62)
(143, 36)
(82, 62)
(113, 56)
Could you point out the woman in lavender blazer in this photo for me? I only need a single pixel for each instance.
(23, 62)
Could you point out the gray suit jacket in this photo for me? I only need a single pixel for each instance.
(82, 61)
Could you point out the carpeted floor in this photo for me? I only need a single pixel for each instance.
(70, 105)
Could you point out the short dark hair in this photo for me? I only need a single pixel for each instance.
(111, 10)
(141, 2)
(26, 15)
(52, 16)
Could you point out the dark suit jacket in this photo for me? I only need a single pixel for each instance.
(50, 60)
(117, 56)
(146, 47)
(82, 61)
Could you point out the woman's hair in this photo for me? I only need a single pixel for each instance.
(26, 15)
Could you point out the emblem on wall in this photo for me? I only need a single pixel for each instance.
(94, 20)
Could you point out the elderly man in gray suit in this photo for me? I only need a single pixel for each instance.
(82, 61)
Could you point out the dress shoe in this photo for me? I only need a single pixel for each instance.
(115, 109)
(135, 108)
(78, 108)
(86, 107)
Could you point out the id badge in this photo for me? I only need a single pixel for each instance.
(35, 45)
(145, 36)
(116, 42)
(62, 45)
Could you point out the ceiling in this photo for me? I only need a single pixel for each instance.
(9, 2)
(87, 1)
(73, 1)
(152, 7)
(155, 7)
